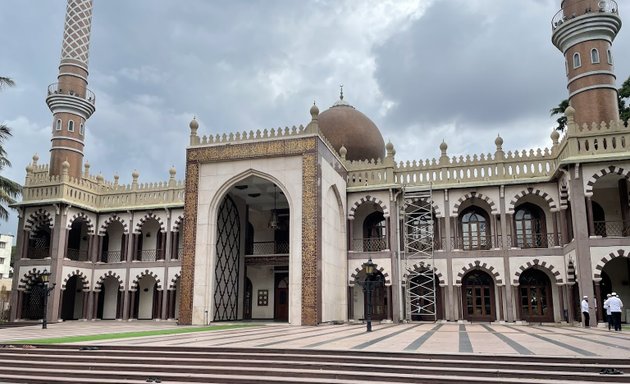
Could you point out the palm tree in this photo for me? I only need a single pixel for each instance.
(624, 93)
(559, 110)
(9, 189)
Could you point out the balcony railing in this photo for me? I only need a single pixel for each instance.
(269, 248)
(475, 243)
(111, 256)
(611, 229)
(54, 89)
(538, 240)
(581, 8)
(77, 254)
(372, 244)
(38, 252)
(149, 254)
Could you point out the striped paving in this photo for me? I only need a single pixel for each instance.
(491, 339)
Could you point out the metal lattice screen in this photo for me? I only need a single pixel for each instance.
(420, 289)
(227, 267)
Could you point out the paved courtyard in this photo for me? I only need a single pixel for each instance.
(420, 338)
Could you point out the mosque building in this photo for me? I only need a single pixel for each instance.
(280, 224)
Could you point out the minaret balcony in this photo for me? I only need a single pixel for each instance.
(89, 96)
(81, 102)
(583, 8)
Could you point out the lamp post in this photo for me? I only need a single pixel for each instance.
(45, 276)
(368, 286)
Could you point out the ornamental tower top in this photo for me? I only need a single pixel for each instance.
(70, 101)
(584, 30)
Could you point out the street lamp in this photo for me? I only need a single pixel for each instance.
(45, 276)
(370, 282)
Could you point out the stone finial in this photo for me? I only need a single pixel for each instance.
(86, 168)
(555, 136)
(314, 111)
(29, 168)
(194, 125)
(35, 159)
(135, 174)
(100, 179)
(343, 152)
(389, 147)
(443, 147)
(499, 143)
(65, 166)
(172, 172)
(569, 112)
(116, 177)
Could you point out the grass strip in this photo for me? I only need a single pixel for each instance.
(126, 335)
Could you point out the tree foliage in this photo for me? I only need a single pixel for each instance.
(9, 189)
(624, 103)
(559, 110)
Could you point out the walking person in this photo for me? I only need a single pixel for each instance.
(609, 318)
(585, 313)
(615, 305)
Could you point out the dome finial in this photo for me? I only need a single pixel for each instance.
(340, 91)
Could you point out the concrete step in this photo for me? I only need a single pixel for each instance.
(57, 364)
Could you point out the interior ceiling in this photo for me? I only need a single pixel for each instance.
(610, 180)
(258, 193)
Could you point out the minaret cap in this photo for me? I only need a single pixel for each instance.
(314, 111)
(194, 125)
(498, 141)
(172, 171)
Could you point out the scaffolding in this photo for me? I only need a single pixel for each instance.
(417, 256)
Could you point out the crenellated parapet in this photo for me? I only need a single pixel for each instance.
(94, 192)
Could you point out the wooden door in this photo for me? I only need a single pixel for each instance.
(281, 297)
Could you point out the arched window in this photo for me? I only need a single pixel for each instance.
(475, 229)
(594, 56)
(374, 232)
(577, 62)
(81, 129)
(58, 125)
(529, 223)
(610, 58)
(70, 126)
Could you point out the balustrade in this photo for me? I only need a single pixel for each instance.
(372, 244)
(611, 229)
(36, 253)
(111, 256)
(149, 254)
(269, 248)
(77, 254)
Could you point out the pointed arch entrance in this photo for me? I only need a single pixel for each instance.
(535, 298)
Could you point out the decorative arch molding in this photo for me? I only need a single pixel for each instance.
(81, 216)
(37, 218)
(136, 280)
(570, 273)
(367, 199)
(179, 223)
(597, 272)
(474, 195)
(531, 191)
(103, 229)
(537, 264)
(422, 265)
(354, 274)
(564, 196)
(478, 265)
(173, 284)
(84, 279)
(145, 218)
(109, 274)
(603, 172)
(436, 208)
(29, 278)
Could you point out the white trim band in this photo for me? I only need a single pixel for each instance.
(68, 138)
(66, 149)
(591, 73)
(592, 87)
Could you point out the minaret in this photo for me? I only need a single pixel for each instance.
(69, 99)
(584, 31)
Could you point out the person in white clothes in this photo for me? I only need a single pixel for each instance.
(615, 305)
(585, 313)
(608, 314)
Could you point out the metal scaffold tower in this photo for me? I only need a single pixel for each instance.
(417, 255)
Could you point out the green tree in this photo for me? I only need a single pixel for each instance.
(9, 189)
(624, 105)
(559, 110)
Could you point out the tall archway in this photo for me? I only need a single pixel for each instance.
(478, 296)
(146, 298)
(535, 298)
(73, 299)
(108, 306)
(615, 276)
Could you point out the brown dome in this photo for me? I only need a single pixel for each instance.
(344, 126)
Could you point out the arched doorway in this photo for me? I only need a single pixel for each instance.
(33, 300)
(615, 277)
(535, 297)
(478, 296)
(281, 297)
(72, 300)
(425, 296)
(108, 299)
(146, 299)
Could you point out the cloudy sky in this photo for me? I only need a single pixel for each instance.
(422, 70)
